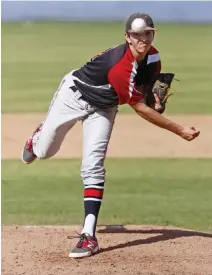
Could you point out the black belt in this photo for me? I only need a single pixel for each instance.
(74, 89)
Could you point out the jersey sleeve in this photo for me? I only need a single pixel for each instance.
(154, 61)
(157, 68)
(123, 82)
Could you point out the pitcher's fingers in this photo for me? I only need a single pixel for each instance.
(197, 133)
(156, 98)
(193, 128)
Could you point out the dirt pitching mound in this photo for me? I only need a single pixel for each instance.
(124, 250)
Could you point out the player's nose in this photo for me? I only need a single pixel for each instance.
(144, 39)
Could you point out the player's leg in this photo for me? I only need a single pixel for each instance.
(97, 129)
(65, 110)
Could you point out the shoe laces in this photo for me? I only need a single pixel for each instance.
(82, 237)
(78, 235)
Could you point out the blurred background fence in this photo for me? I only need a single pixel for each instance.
(161, 11)
(38, 49)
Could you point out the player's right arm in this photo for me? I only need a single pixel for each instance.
(122, 80)
(187, 133)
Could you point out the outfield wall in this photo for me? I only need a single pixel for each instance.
(186, 11)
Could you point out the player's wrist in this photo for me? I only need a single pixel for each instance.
(176, 128)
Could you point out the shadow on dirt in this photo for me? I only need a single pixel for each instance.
(162, 235)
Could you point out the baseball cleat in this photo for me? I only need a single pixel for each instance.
(86, 247)
(28, 155)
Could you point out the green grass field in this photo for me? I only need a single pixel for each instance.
(178, 192)
(138, 191)
(35, 56)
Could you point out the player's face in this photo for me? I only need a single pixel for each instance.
(140, 42)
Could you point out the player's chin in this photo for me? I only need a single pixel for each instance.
(143, 49)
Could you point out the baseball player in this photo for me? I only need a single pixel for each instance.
(91, 94)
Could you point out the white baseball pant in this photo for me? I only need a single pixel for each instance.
(66, 109)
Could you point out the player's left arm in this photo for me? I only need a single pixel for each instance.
(157, 88)
(153, 68)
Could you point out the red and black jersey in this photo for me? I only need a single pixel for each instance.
(110, 78)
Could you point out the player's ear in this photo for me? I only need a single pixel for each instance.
(127, 38)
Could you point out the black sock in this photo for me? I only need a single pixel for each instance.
(93, 195)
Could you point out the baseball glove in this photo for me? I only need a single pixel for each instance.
(160, 86)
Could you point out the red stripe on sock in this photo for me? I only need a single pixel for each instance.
(93, 193)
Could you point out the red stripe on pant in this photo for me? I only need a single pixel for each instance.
(93, 193)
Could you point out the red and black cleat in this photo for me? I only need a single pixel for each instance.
(28, 155)
(86, 247)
